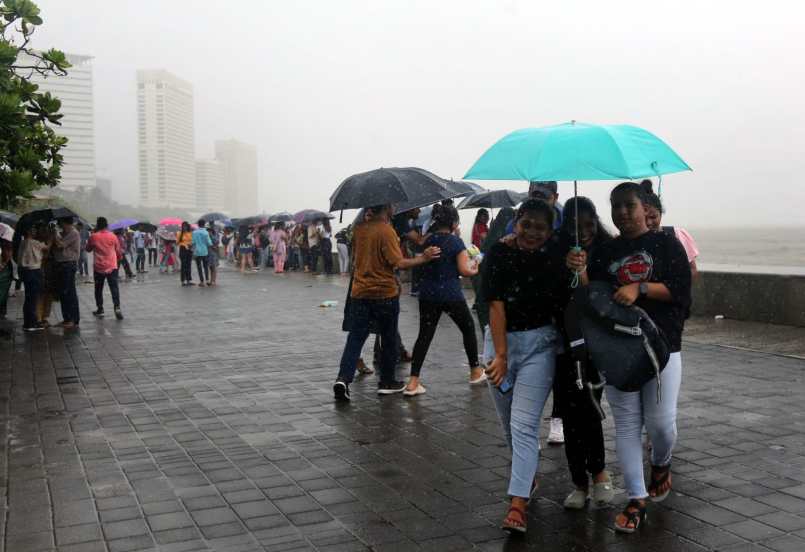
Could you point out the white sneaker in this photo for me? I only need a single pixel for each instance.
(576, 500)
(557, 433)
(480, 379)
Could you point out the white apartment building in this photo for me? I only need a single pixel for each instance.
(209, 185)
(75, 92)
(167, 167)
(239, 164)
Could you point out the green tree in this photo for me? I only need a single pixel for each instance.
(29, 147)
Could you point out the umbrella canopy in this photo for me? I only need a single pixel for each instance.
(144, 227)
(212, 217)
(6, 232)
(252, 221)
(577, 151)
(40, 216)
(282, 216)
(123, 223)
(9, 218)
(167, 234)
(492, 200)
(411, 186)
(170, 221)
(464, 188)
(310, 215)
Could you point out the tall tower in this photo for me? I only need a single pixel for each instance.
(167, 164)
(239, 164)
(75, 92)
(209, 185)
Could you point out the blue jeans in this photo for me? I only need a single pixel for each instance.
(32, 280)
(632, 411)
(67, 293)
(382, 316)
(532, 365)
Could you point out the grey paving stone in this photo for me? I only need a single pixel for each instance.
(122, 529)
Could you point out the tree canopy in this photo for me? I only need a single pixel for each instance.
(30, 155)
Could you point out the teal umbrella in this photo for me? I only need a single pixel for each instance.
(577, 151)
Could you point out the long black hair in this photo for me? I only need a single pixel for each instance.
(498, 228)
(583, 205)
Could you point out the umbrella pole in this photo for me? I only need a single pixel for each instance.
(576, 275)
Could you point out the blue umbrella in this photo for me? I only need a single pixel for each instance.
(123, 223)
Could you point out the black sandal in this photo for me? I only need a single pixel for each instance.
(660, 478)
(635, 514)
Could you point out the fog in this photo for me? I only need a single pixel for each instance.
(326, 89)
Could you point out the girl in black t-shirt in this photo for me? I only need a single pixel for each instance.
(526, 285)
(648, 269)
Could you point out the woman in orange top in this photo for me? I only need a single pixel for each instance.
(184, 239)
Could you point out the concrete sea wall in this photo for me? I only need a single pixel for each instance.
(770, 298)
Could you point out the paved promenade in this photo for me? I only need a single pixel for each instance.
(205, 422)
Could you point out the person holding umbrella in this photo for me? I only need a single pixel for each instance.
(375, 298)
(107, 252)
(67, 248)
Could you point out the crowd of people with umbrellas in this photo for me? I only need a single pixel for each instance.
(565, 307)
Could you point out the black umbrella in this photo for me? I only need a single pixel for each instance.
(144, 227)
(212, 217)
(251, 221)
(7, 217)
(40, 216)
(282, 216)
(310, 215)
(409, 185)
(493, 200)
(464, 188)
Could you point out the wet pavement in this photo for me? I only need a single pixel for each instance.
(205, 421)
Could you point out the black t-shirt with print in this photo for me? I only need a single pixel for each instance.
(653, 257)
(533, 285)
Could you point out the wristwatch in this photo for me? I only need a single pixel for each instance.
(643, 288)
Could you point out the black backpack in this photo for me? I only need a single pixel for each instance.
(625, 345)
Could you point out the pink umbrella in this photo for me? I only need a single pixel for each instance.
(170, 221)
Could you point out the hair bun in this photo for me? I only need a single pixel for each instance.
(647, 185)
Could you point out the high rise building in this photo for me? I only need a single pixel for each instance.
(167, 166)
(75, 92)
(239, 164)
(209, 185)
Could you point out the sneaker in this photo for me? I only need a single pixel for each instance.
(390, 388)
(341, 391)
(36, 328)
(557, 433)
(118, 313)
(576, 500)
(363, 368)
(603, 492)
(98, 313)
(480, 379)
(420, 390)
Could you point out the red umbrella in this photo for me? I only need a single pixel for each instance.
(168, 221)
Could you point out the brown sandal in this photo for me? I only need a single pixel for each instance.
(512, 525)
(660, 486)
(634, 515)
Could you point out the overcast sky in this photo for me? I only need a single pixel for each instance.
(329, 88)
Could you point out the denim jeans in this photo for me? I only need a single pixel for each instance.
(203, 268)
(140, 263)
(531, 368)
(32, 279)
(83, 265)
(382, 315)
(632, 411)
(111, 279)
(67, 292)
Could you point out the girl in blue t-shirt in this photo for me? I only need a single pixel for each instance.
(440, 291)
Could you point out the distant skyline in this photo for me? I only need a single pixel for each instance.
(326, 89)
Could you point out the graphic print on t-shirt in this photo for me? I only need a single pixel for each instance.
(636, 267)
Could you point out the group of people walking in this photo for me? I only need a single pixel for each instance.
(533, 258)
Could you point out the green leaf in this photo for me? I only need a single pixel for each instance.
(8, 53)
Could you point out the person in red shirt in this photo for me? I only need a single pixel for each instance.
(107, 253)
(480, 228)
